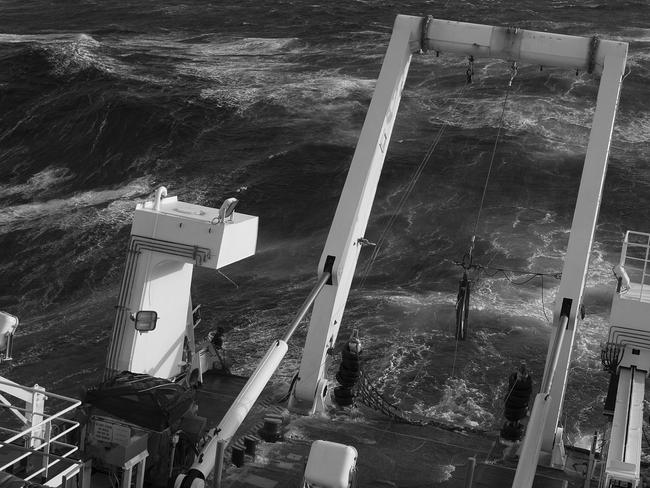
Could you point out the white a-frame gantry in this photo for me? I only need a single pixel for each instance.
(339, 258)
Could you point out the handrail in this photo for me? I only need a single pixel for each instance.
(52, 439)
(29, 451)
(41, 432)
(639, 265)
(36, 390)
(57, 460)
(47, 420)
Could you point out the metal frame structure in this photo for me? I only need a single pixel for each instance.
(39, 436)
(414, 34)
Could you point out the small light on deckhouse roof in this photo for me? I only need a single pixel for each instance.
(145, 320)
(8, 324)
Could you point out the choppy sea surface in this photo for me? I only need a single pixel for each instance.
(104, 101)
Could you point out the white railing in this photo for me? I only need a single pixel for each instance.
(31, 447)
(635, 257)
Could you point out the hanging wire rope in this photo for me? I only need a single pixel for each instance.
(513, 71)
(464, 286)
(462, 303)
(414, 179)
(367, 392)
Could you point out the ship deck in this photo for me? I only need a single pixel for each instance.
(390, 454)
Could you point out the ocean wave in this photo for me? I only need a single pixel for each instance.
(632, 35)
(248, 46)
(41, 182)
(461, 404)
(567, 126)
(67, 54)
(248, 90)
(638, 61)
(61, 211)
(557, 106)
(633, 128)
(78, 54)
(616, 5)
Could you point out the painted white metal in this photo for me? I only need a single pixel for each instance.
(196, 225)
(36, 432)
(166, 290)
(14, 389)
(161, 284)
(68, 475)
(350, 220)
(35, 410)
(636, 351)
(529, 456)
(8, 325)
(530, 449)
(631, 304)
(354, 207)
(624, 453)
(169, 238)
(585, 216)
(513, 44)
(330, 464)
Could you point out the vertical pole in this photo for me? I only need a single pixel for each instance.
(469, 476)
(86, 475)
(218, 464)
(126, 477)
(35, 409)
(139, 483)
(46, 449)
(585, 216)
(351, 218)
(530, 448)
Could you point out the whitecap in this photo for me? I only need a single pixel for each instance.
(42, 181)
(64, 208)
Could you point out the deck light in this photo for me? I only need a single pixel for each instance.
(145, 320)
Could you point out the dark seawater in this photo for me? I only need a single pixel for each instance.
(104, 101)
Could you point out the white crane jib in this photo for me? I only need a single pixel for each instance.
(410, 35)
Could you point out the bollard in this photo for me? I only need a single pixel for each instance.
(238, 455)
(250, 444)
